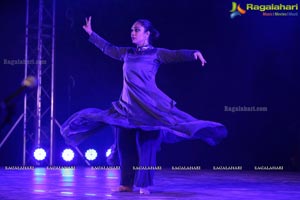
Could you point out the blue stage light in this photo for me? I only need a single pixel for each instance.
(91, 154)
(108, 152)
(68, 155)
(39, 154)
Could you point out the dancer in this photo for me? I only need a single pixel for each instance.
(144, 116)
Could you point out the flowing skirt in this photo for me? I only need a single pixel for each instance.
(174, 125)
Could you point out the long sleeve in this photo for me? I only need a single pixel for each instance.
(173, 56)
(115, 52)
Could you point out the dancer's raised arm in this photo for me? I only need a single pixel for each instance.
(106, 47)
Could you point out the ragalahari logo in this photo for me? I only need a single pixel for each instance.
(236, 10)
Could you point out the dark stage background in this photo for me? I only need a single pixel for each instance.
(251, 61)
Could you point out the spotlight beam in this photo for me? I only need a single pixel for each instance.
(80, 153)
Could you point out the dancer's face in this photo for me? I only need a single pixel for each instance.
(138, 35)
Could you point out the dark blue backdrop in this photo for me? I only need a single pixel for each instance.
(251, 60)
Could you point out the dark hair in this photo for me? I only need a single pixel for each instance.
(154, 34)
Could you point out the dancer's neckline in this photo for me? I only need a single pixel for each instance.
(144, 48)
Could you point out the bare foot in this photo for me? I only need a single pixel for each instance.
(144, 190)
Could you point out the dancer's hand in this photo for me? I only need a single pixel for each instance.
(198, 56)
(88, 27)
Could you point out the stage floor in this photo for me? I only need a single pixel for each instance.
(88, 183)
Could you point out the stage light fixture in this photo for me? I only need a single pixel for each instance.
(91, 154)
(108, 152)
(68, 155)
(39, 154)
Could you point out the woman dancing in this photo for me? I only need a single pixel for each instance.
(144, 116)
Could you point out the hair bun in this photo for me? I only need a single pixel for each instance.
(155, 33)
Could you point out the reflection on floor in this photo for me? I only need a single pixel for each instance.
(90, 183)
